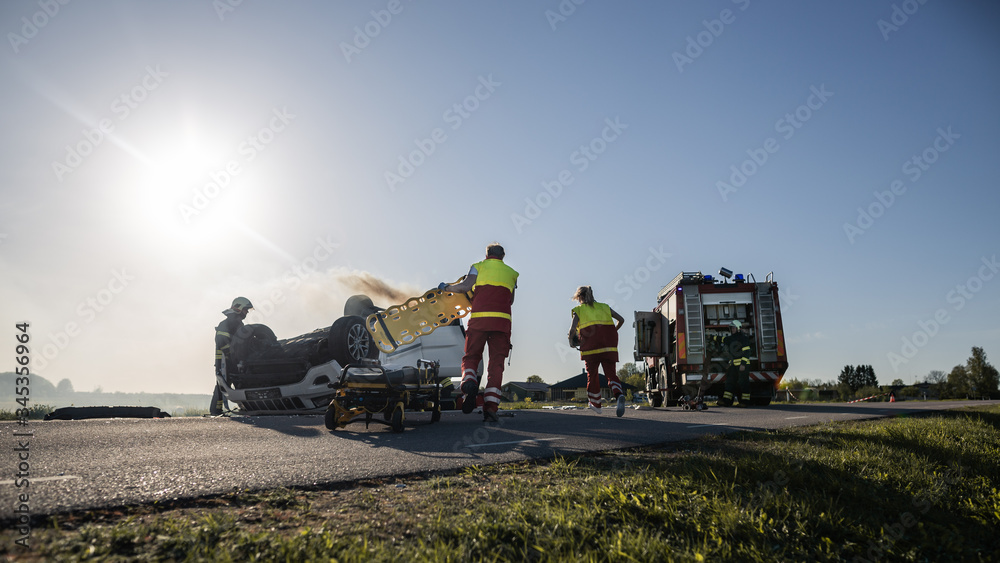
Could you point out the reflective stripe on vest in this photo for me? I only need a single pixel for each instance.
(495, 283)
(599, 325)
(596, 314)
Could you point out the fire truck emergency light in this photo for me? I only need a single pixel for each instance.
(739, 277)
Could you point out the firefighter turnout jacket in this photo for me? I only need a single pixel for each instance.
(737, 347)
(223, 336)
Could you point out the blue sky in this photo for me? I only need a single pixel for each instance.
(159, 159)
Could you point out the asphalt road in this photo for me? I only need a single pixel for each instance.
(77, 465)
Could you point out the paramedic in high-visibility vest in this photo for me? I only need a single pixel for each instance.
(492, 283)
(737, 349)
(597, 325)
(223, 335)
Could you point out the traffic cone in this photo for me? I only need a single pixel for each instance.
(892, 398)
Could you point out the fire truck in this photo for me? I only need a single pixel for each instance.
(680, 340)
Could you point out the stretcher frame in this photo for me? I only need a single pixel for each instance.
(369, 389)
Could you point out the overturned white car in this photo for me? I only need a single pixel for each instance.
(294, 376)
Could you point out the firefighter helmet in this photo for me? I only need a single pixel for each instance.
(240, 305)
(737, 324)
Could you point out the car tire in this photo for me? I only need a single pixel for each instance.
(396, 421)
(254, 342)
(436, 411)
(360, 306)
(350, 341)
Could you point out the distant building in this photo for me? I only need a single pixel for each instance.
(575, 388)
(521, 390)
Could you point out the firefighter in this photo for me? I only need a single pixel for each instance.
(597, 325)
(736, 348)
(493, 283)
(223, 335)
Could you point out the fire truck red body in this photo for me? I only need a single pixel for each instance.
(676, 341)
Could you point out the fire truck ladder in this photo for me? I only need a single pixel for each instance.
(695, 328)
(768, 327)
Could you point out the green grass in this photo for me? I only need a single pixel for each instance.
(902, 489)
(35, 412)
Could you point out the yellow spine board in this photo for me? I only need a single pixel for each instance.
(418, 316)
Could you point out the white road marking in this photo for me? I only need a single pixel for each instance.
(37, 479)
(714, 424)
(794, 417)
(514, 442)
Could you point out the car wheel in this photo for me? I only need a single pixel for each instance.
(436, 412)
(254, 342)
(360, 306)
(350, 341)
(397, 418)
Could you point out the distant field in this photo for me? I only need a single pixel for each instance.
(921, 488)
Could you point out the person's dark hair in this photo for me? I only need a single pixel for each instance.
(494, 250)
(584, 294)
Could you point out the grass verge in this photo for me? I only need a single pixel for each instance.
(903, 489)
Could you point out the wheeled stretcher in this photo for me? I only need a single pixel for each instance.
(370, 389)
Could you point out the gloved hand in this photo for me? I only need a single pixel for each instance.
(443, 285)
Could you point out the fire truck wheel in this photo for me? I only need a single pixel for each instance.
(350, 341)
(655, 399)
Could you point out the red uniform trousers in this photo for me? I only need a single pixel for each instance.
(475, 342)
(608, 361)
